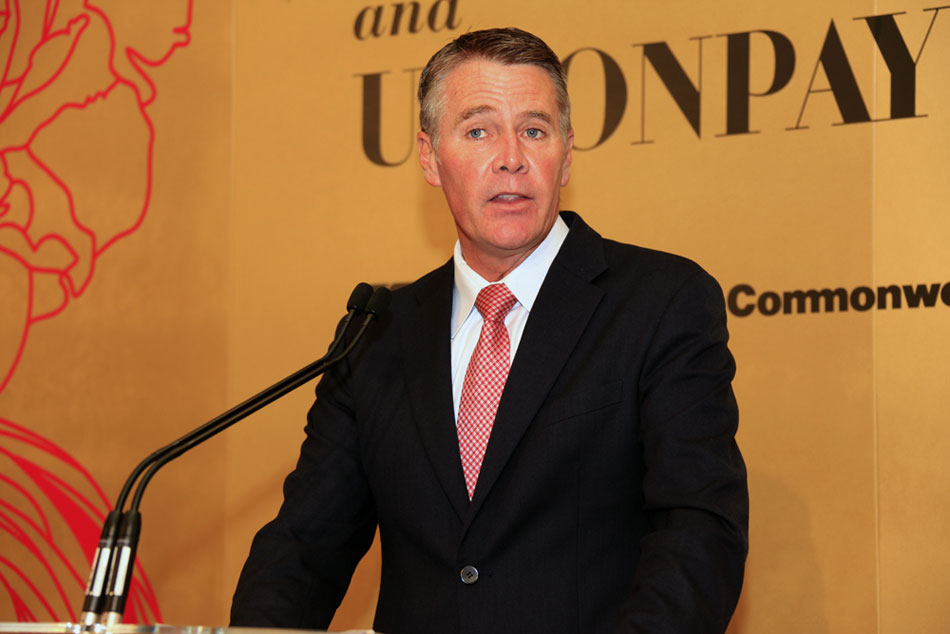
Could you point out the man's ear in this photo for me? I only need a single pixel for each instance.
(428, 159)
(568, 157)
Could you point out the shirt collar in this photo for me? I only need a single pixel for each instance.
(524, 281)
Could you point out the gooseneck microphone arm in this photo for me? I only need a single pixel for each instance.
(110, 576)
(259, 400)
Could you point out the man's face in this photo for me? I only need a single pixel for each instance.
(501, 161)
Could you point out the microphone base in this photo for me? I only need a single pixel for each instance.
(110, 619)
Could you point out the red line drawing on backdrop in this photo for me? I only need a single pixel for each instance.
(74, 75)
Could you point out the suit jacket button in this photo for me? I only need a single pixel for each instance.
(469, 575)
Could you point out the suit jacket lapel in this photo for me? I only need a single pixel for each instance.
(426, 343)
(560, 314)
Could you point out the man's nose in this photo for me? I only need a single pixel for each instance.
(510, 157)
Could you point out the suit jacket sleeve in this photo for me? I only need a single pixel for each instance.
(301, 563)
(694, 481)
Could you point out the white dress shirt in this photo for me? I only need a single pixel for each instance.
(524, 282)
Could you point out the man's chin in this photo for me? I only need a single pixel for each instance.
(512, 244)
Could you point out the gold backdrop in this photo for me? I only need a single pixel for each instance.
(190, 193)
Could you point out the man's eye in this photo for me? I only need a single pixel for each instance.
(534, 133)
(477, 133)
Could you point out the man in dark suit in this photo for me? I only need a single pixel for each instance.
(543, 429)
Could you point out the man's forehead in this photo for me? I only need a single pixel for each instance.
(473, 70)
(480, 86)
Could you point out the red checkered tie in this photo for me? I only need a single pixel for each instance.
(484, 380)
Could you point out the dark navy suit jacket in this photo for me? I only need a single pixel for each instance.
(612, 497)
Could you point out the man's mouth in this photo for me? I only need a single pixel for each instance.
(508, 197)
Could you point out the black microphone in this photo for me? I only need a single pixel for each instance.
(376, 306)
(359, 298)
(379, 302)
(111, 573)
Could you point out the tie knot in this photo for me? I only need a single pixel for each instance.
(494, 302)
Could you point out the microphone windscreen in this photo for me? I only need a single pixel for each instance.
(360, 297)
(379, 301)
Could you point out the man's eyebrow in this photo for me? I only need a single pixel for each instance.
(472, 112)
(537, 114)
